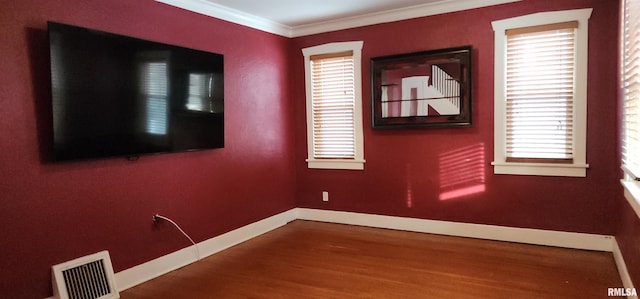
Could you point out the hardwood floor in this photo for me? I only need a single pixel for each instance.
(307, 259)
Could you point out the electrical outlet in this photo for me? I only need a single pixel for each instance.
(325, 196)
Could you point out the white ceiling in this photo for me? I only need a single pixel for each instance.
(293, 18)
(294, 13)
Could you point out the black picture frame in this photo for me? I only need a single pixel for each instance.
(428, 89)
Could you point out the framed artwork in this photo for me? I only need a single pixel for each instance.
(422, 89)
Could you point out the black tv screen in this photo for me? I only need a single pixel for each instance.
(114, 95)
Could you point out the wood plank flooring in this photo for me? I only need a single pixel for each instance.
(305, 259)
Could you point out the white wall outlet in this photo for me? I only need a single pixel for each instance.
(325, 196)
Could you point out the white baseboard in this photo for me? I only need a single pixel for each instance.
(627, 283)
(479, 231)
(141, 273)
(144, 272)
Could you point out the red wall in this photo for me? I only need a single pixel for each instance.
(402, 172)
(51, 213)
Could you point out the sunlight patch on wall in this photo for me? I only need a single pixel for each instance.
(409, 188)
(462, 172)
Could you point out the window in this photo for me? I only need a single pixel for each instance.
(334, 106)
(631, 101)
(541, 94)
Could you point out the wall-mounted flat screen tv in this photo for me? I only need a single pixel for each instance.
(119, 96)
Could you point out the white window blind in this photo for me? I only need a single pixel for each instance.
(631, 85)
(333, 105)
(540, 75)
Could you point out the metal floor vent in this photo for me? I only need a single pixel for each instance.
(88, 277)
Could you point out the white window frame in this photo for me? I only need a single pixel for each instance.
(358, 162)
(629, 181)
(632, 193)
(578, 167)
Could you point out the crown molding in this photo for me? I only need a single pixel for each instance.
(422, 10)
(235, 16)
(229, 14)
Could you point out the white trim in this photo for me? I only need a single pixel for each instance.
(218, 11)
(580, 94)
(211, 9)
(144, 272)
(547, 169)
(542, 18)
(632, 174)
(336, 164)
(632, 194)
(479, 231)
(337, 47)
(627, 283)
(136, 275)
(418, 11)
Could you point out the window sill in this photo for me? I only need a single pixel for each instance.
(336, 164)
(541, 169)
(632, 194)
